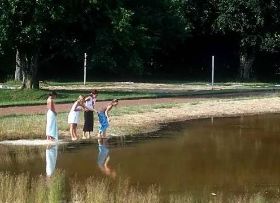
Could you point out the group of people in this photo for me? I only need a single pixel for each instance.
(83, 103)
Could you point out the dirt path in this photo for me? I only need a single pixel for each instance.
(40, 109)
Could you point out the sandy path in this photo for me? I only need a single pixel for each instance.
(40, 109)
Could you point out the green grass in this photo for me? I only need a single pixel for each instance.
(175, 88)
(108, 83)
(30, 97)
(33, 97)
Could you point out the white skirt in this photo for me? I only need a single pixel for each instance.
(51, 127)
(73, 117)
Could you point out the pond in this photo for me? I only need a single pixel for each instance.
(218, 155)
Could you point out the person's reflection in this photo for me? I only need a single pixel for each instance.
(104, 158)
(51, 156)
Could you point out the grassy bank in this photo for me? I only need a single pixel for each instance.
(33, 126)
(57, 189)
(139, 119)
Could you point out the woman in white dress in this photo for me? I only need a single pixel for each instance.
(74, 116)
(51, 127)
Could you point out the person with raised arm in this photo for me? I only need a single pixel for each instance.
(74, 116)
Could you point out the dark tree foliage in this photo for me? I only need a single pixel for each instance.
(24, 26)
(256, 23)
(140, 38)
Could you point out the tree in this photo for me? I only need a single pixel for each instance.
(166, 28)
(24, 26)
(18, 71)
(255, 23)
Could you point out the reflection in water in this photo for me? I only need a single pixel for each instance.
(232, 155)
(51, 156)
(104, 158)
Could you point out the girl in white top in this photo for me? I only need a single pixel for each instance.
(88, 115)
(74, 115)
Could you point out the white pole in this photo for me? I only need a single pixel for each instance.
(213, 70)
(85, 68)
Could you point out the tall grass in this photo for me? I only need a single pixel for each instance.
(258, 197)
(24, 188)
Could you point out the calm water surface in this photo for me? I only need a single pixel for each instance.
(219, 155)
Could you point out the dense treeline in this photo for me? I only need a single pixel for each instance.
(43, 39)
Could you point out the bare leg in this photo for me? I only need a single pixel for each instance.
(50, 138)
(84, 135)
(71, 131)
(75, 131)
(100, 142)
(104, 134)
(107, 161)
(99, 134)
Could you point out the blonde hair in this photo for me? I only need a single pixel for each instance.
(81, 98)
(115, 101)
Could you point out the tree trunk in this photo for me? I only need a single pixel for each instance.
(246, 65)
(30, 71)
(18, 71)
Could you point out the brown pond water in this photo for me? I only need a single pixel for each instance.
(226, 155)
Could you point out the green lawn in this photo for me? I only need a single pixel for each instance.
(29, 97)
(166, 82)
(69, 91)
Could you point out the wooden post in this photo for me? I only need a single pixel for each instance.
(85, 68)
(213, 70)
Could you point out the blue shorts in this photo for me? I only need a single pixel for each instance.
(103, 122)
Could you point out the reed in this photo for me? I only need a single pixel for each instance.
(23, 188)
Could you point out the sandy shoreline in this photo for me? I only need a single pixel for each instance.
(151, 119)
(206, 108)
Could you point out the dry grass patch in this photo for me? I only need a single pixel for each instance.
(33, 126)
(27, 126)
